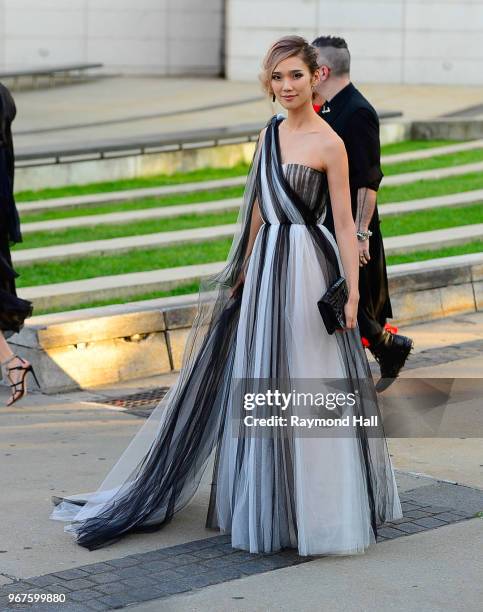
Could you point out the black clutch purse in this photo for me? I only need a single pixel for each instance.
(331, 305)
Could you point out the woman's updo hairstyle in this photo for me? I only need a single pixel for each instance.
(288, 46)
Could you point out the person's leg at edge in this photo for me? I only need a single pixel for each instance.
(15, 370)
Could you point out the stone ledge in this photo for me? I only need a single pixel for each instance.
(123, 342)
(447, 129)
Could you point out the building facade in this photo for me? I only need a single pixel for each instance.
(392, 41)
(168, 37)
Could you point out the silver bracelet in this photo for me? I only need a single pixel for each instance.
(363, 236)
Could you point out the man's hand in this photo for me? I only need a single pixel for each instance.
(366, 205)
(364, 256)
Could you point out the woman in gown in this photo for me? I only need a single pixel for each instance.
(258, 321)
(13, 310)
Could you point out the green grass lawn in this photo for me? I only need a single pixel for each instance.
(431, 163)
(409, 223)
(214, 250)
(135, 261)
(427, 220)
(181, 290)
(407, 146)
(203, 174)
(471, 247)
(460, 249)
(395, 193)
(103, 232)
(430, 188)
(141, 204)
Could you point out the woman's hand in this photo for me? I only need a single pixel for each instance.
(239, 283)
(350, 311)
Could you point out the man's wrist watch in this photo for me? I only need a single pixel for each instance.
(363, 236)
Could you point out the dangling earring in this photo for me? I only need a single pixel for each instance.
(273, 98)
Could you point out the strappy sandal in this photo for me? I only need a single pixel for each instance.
(19, 387)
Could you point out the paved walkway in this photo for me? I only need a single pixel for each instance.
(135, 106)
(428, 572)
(427, 561)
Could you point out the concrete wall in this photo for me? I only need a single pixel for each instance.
(392, 41)
(153, 164)
(134, 36)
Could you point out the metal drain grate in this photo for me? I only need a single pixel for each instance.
(143, 403)
(140, 404)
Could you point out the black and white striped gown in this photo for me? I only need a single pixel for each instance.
(321, 495)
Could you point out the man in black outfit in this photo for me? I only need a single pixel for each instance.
(354, 119)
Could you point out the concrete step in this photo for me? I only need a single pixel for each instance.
(108, 287)
(121, 245)
(426, 175)
(123, 218)
(119, 285)
(447, 201)
(432, 152)
(397, 244)
(149, 192)
(126, 195)
(142, 339)
(201, 208)
(435, 239)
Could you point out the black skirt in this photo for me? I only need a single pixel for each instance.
(13, 310)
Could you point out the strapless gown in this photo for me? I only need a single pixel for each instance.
(320, 494)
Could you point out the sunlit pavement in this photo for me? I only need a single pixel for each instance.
(135, 106)
(66, 444)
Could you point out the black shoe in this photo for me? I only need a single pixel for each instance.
(391, 354)
(19, 387)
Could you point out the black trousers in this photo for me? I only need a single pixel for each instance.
(374, 302)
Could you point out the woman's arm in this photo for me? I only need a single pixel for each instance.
(338, 179)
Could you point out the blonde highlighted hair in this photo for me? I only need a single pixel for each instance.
(282, 49)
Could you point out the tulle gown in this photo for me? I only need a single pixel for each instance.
(279, 489)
